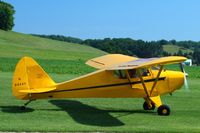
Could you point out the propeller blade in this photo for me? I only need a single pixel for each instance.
(186, 83)
(185, 79)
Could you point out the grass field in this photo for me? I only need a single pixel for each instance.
(65, 61)
(98, 114)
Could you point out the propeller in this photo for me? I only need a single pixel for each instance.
(185, 75)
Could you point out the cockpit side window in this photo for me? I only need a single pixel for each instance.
(133, 73)
(155, 67)
(145, 72)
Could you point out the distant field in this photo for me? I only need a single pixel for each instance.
(76, 66)
(174, 49)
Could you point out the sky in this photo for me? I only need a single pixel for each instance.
(96, 19)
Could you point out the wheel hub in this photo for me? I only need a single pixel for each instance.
(164, 111)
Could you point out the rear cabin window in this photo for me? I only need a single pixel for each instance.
(120, 74)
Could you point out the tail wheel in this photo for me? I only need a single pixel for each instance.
(147, 107)
(163, 110)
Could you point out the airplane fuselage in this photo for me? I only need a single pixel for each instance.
(108, 84)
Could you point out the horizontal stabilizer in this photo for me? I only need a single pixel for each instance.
(37, 90)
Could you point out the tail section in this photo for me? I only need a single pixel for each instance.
(29, 77)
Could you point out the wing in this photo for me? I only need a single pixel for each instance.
(109, 60)
(139, 63)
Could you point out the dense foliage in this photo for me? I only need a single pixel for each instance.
(127, 46)
(6, 16)
(196, 55)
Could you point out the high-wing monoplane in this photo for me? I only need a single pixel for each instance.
(117, 76)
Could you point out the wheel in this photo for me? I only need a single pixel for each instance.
(163, 110)
(146, 106)
(22, 107)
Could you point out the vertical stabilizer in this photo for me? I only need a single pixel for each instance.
(29, 77)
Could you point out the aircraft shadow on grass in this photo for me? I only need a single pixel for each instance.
(82, 113)
(89, 115)
(15, 109)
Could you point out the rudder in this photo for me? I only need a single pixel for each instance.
(29, 77)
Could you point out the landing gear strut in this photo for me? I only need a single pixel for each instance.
(25, 104)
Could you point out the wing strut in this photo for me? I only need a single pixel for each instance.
(156, 100)
(143, 84)
(154, 84)
(129, 78)
(156, 80)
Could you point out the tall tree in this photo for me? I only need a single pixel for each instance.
(6, 16)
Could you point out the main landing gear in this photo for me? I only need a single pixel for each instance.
(162, 110)
(146, 106)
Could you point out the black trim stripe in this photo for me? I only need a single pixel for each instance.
(103, 86)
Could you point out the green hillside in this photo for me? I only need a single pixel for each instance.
(14, 44)
(174, 49)
(54, 56)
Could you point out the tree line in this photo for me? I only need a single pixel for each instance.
(61, 38)
(139, 48)
(127, 46)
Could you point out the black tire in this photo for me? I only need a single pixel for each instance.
(146, 106)
(163, 110)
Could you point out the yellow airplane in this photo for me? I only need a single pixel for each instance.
(118, 76)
